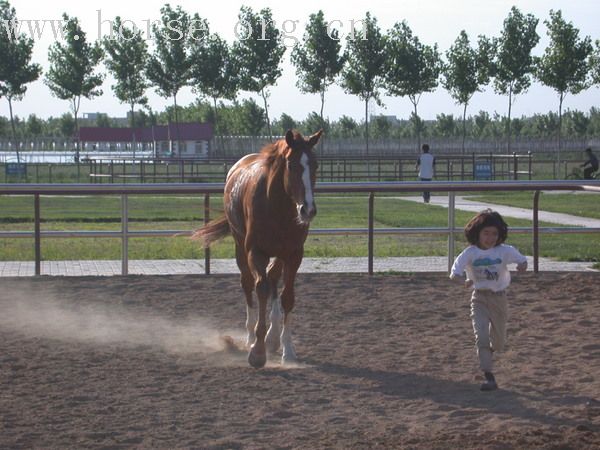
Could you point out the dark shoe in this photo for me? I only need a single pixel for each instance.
(490, 382)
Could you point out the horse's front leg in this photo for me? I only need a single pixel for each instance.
(247, 282)
(258, 264)
(287, 302)
(273, 274)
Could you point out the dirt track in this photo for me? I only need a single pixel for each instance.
(388, 361)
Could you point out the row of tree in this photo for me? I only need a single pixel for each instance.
(247, 119)
(373, 62)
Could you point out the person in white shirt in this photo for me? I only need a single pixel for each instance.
(485, 263)
(426, 167)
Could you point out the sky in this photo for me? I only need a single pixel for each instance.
(432, 21)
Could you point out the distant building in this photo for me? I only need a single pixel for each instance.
(89, 119)
(393, 120)
(183, 140)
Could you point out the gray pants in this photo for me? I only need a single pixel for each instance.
(489, 312)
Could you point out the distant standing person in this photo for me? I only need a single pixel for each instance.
(485, 264)
(591, 165)
(426, 167)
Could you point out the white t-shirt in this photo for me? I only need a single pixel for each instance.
(487, 268)
(425, 164)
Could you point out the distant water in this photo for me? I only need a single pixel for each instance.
(67, 157)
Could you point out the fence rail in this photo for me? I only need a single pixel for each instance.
(206, 189)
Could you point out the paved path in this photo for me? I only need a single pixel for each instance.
(318, 265)
(465, 204)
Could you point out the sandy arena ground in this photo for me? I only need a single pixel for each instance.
(385, 362)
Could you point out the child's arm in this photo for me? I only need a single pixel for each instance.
(522, 267)
(458, 269)
(461, 279)
(517, 258)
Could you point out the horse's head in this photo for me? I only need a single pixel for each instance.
(301, 173)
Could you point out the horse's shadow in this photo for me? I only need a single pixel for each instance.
(462, 395)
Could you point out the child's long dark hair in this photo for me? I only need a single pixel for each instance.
(486, 218)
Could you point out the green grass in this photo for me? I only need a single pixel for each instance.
(186, 213)
(582, 204)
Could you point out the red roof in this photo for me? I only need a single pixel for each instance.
(194, 131)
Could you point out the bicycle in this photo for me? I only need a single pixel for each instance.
(577, 174)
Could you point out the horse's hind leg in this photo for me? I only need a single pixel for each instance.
(258, 265)
(273, 274)
(247, 282)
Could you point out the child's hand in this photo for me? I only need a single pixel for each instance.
(522, 267)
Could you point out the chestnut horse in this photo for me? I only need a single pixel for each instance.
(269, 203)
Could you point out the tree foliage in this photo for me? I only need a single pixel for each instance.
(127, 55)
(72, 69)
(318, 60)
(513, 63)
(467, 70)
(564, 65)
(214, 71)
(365, 61)
(169, 67)
(16, 69)
(412, 68)
(259, 52)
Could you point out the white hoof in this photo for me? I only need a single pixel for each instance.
(289, 358)
(272, 340)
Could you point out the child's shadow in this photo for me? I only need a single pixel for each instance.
(461, 395)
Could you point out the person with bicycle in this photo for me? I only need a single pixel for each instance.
(590, 166)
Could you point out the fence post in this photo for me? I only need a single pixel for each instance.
(124, 236)
(515, 166)
(451, 223)
(536, 232)
(371, 232)
(206, 220)
(37, 244)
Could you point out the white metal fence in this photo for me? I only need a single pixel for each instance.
(206, 189)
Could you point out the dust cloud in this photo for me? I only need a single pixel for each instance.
(43, 315)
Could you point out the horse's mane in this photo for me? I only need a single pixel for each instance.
(273, 156)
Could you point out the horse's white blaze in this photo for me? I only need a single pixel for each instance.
(251, 318)
(309, 200)
(289, 354)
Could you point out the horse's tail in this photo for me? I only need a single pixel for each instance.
(212, 231)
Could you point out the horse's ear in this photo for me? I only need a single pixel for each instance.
(289, 138)
(315, 138)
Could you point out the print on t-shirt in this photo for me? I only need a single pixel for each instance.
(487, 268)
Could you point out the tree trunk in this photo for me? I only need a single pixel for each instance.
(177, 125)
(322, 104)
(508, 125)
(417, 128)
(321, 143)
(367, 126)
(14, 130)
(367, 138)
(133, 143)
(464, 131)
(462, 160)
(76, 104)
(559, 126)
(264, 96)
(220, 135)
